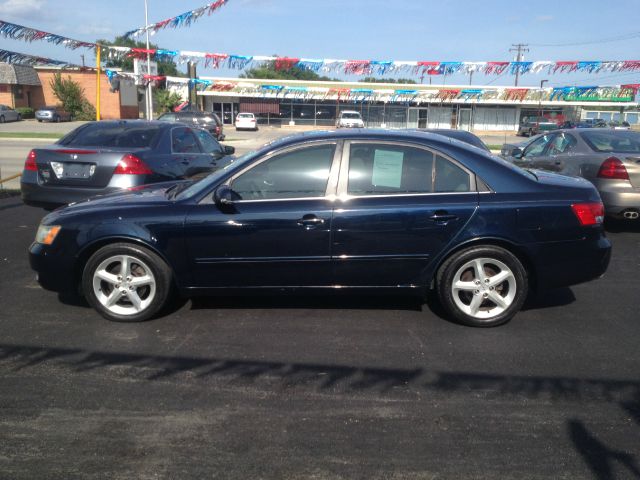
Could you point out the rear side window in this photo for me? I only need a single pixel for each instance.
(378, 169)
(184, 141)
(112, 135)
(620, 142)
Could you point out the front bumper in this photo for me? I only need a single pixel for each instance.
(53, 267)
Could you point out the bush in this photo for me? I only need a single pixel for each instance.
(72, 97)
(167, 100)
(26, 112)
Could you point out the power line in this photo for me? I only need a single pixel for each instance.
(520, 48)
(618, 38)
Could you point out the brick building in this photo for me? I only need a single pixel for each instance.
(20, 86)
(26, 86)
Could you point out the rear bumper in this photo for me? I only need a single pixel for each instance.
(38, 195)
(570, 263)
(617, 202)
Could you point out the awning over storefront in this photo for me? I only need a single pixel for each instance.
(260, 107)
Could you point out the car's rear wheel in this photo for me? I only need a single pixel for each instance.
(482, 286)
(1, 119)
(126, 283)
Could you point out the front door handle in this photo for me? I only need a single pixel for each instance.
(442, 217)
(310, 221)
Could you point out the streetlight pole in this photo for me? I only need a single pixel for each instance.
(542, 82)
(149, 93)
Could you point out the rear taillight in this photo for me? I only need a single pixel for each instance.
(132, 165)
(589, 213)
(613, 168)
(30, 162)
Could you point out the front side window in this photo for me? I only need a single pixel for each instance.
(380, 169)
(209, 144)
(538, 146)
(184, 141)
(302, 173)
(562, 143)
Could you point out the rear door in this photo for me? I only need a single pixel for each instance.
(398, 207)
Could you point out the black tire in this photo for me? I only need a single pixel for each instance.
(160, 271)
(57, 119)
(455, 264)
(19, 118)
(39, 121)
(1, 119)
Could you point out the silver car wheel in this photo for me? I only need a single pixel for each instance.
(484, 288)
(124, 285)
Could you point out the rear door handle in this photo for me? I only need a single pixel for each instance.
(442, 217)
(310, 221)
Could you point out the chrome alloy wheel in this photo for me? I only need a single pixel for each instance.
(124, 285)
(484, 288)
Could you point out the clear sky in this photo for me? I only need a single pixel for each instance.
(443, 30)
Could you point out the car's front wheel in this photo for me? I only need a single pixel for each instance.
(482, 286)
(126, 283)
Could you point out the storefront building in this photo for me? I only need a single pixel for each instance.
(481, 108)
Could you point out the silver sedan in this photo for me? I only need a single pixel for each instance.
(8, 114)
(610, 159)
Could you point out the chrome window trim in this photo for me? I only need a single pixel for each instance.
(343, 183)
(331, 181)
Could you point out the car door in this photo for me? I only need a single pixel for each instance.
(398, 207)
(187, 152)
(278, 232)
(535, 154)
(558, 153)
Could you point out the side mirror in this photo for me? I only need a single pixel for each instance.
(224, 196)
(517, 152)
(229, 150)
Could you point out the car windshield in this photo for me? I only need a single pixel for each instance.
(351, 115)
(245, 115)
(212, 178)
(112, 135)
(618, 141)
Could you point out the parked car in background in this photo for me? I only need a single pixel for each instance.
(207, 120)
(534, 125)
(461, 135)
(396, 212)
(616, 125)
(592, 123)
(101, 157)
(8, 114)
(568, 124)
(349, 119)
(246, 121)
(610, 159)
(52, 114)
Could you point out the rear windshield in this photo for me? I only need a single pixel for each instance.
(100, 135)
(350, 115)
(245, 115)
(612, 141)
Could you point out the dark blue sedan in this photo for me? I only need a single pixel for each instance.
(363, 210)
(102, 157)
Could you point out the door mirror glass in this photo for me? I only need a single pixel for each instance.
(516, 152)
(229, 150)
(224, 196)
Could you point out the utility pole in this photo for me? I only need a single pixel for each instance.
(149, 92)
(520, 48)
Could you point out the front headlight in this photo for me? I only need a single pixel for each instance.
(47, 234)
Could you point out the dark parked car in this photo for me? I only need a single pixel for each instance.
(461, 135)
(535, 125)
(610, 159)
(101, 157)
(377, 211)
(52, 114)
(207, 120)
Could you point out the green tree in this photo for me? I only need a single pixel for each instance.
(167, 100)
(165, 67)
(268, 71)
(387, 80)
(72, 97)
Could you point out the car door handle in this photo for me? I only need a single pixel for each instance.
(310, 221)
(442, 217)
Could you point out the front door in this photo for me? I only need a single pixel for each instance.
(278, 234)
(399, 207)
(464, 119)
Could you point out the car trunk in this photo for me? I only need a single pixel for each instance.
(90, 167)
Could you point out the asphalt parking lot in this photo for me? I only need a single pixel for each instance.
(322, 387)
